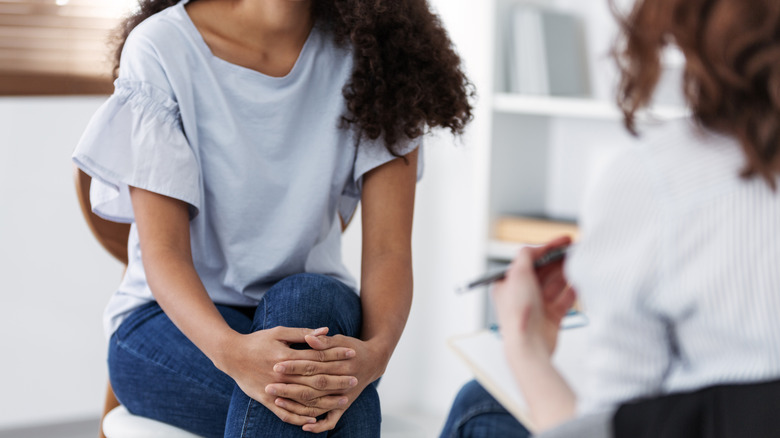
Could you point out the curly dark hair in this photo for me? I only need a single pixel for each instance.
(732, 71)
(407, 77)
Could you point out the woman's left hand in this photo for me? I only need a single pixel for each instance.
(366, 366)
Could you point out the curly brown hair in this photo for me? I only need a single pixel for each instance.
(731, 79)
(407, 77)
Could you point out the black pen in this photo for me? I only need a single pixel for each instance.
(550, 256)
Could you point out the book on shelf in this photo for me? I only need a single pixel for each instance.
(546, 53)
(532, 231)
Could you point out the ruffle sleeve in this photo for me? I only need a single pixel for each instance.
(367, 158)
(136, 139)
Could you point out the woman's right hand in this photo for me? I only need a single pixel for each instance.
(250, 359)
(530, 303)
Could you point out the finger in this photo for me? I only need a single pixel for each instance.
(522, 263)
(324, 382)
(290, 417)
(326, 355)
(328, 423)
(295, 334)
(305, 395)
(317, 342)
(553, 285)
(565, 301)
(555, 243)
(312, 368)
(539, 251)
(324, 404)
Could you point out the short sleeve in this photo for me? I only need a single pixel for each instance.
(615, 268)
(136, 139)
(369, 156)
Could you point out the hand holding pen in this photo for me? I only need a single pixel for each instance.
(531, 301)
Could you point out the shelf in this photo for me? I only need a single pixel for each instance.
(573, 107)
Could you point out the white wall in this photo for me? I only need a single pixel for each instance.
(55, 277)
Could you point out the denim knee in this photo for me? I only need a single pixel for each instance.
(305, 290)
(476, 414)
(311, 301)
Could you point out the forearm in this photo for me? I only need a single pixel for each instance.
(386, 297)
(178, 289)
(386, 270)
(550, 399)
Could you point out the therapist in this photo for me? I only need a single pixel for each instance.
(677, 266)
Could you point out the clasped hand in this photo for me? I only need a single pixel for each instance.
(300, 385)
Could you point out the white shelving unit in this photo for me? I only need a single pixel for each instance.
(583, 108)
(544, 150)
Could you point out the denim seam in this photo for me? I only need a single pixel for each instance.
(265, 313)
(125, 347)
(246, 418)
(264, 302)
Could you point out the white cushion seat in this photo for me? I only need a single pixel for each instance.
(120, 423)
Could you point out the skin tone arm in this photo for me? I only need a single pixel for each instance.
(163, 228)
(530, 305)
(386, 290)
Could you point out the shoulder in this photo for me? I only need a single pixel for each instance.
(677, 159)
(160, 29)
(156, 40)
(688, 163)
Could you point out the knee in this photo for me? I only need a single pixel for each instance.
(475, 413)
(364, 416)
(312, 300)
(306, 291)
(471, 394)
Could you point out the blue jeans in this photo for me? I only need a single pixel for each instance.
(156, 372)
(476, 414)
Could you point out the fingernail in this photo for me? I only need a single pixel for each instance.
(352, 381)
(320, 330)
(312, 420)
(350, 353)
(279, 402)
(342, 402)
(279, 368)
(270, 390)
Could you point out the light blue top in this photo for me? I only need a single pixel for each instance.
(261, 160)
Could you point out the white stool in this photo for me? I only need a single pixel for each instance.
(120, 423)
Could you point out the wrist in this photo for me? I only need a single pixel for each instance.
(525, 347)
(221, 348)
(380, 352)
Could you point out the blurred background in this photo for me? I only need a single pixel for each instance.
(544, 125)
